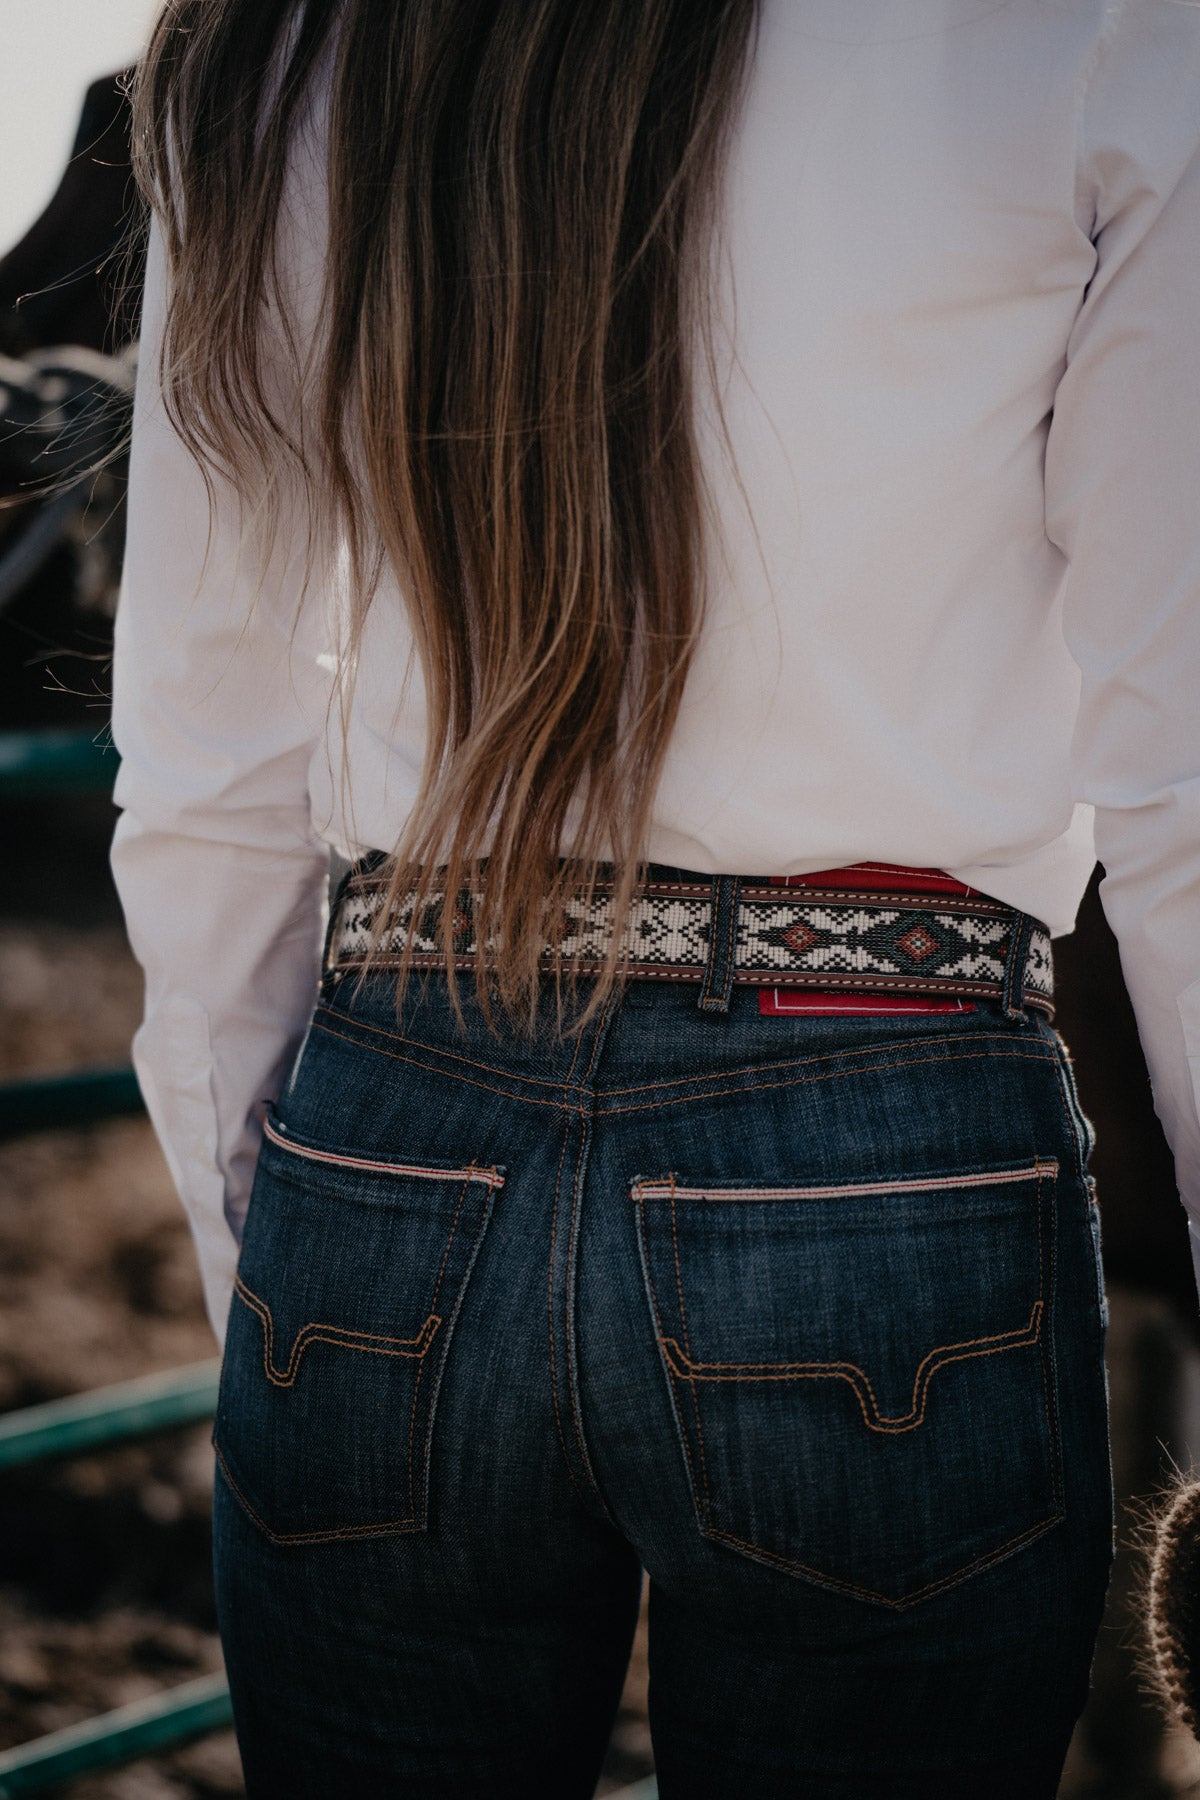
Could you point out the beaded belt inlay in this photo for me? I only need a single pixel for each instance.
(785, 937)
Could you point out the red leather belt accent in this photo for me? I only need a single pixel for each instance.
(777, 1002)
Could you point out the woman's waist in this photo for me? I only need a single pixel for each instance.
(909, 934)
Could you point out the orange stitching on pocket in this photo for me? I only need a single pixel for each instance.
(314, 1333)
(412, 1416)
(955, 1576)
(687, 1347)
(414, 1348)
(687, 1454)
(928, 1366)
(921, 1593)
(311, 1537)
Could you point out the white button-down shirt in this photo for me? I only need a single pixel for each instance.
(955, 607)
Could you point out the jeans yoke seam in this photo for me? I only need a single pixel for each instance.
(758, 1087)
(379, 1031)
(563, 1106)
(808, 1062)
(398, 1037)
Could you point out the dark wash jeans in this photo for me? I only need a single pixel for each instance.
(801, 1316)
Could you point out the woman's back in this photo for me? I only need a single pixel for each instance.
(907, 223)
(794, 1301)
(957, 266)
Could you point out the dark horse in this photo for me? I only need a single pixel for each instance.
(69, 292)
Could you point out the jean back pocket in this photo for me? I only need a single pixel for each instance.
(861, 1374)
(352, 1272)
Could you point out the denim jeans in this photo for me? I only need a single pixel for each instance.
(801, 1316)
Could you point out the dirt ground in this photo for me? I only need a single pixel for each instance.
(104, 1587)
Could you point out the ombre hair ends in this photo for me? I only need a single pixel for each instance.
(500, 402)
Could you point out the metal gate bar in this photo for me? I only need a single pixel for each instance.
(56, 758)
(63, 1102)
(109, 1415)
(163, 1722)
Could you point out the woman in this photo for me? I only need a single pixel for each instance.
(612, 473)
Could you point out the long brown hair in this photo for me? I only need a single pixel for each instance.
(520, 197)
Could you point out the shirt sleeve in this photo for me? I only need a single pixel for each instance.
(1123, 504)
(218, 698)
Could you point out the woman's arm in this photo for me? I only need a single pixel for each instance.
(218, 697)
(1123, 503)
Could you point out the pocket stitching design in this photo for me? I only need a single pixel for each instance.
(1019, 1338)
(668, 1188)
(409, 1523)
(342, 1338)
(848, 1587)
(316, 1333)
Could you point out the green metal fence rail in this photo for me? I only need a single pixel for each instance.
(34, 763)
(66, 1427)
(56, 760)
(111, 1415)
(62, 1102)
(164, 1722)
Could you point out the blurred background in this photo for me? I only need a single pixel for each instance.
(53, 49)
(107, 1635)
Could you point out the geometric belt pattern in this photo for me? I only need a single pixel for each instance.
(786, 937)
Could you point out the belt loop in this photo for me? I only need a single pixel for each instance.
(717, 985)
(1012, 996)
(335, 907)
